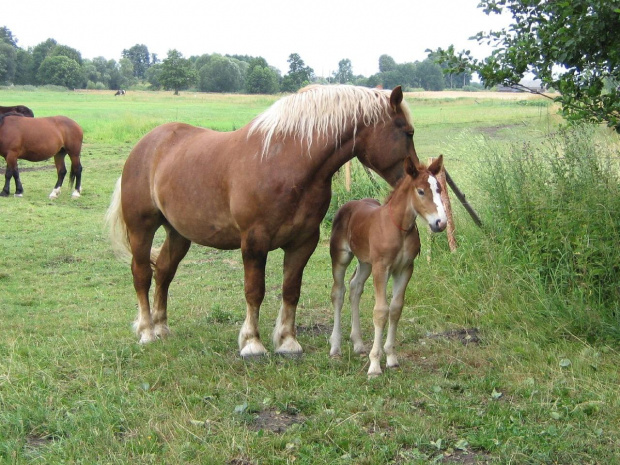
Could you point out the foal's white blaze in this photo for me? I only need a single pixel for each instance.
(441, 212)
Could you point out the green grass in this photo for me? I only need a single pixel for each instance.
(75, 387)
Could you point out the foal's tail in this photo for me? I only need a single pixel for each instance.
(119, 236)
(116, 224)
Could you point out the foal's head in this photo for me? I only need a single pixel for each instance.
(424, 192)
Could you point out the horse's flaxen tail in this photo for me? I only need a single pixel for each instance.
(119, 236)
(116, 224)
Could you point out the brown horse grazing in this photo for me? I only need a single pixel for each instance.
(38, 139)
(385, 240)
(261, 187)
(19, 109)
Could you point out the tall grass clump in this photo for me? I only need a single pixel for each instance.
(555, 206)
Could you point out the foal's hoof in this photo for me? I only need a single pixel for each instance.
(19, 195)
(75, 194)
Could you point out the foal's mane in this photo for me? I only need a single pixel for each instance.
(322, 111)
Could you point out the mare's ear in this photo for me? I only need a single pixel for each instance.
(436, 166)
(410, 167)
(396, 97)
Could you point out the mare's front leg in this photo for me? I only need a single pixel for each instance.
(380, 276)
(61, 170)
(400, 281)
(10, 173)
(173, 250)
(296, 257)
(254, 248)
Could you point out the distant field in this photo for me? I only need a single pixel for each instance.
(486, 376)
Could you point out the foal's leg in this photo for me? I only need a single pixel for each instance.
(400, 281)
(295, 259)
(340, 261)
(172, 252)
(380, 276)
(356, 288)
(254, 252)
(61, 170)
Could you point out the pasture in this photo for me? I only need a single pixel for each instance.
(490, 370)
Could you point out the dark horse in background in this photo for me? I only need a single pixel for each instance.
(262, 187)
(38, 139)
(19, 109)
(120, 92)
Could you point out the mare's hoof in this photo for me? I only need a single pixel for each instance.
(4, 194)
(75, 194)
(19, 195)
(253, 349)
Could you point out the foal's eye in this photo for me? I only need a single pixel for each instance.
(420, 192)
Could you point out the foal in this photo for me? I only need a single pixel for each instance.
(385, 240)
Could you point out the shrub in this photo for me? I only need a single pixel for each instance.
(556, 205)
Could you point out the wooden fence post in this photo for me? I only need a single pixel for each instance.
(347, 176)
(445, 198)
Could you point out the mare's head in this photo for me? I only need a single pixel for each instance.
(385, 144)
(424, 192)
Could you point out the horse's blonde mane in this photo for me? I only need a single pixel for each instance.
(322, 111)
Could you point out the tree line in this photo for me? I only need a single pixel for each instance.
(51, 63)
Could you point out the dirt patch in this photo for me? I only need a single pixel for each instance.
(465, 335)
(25, 169)
(275, 420)
(314, 329)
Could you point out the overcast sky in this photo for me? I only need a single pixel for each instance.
(322, 32)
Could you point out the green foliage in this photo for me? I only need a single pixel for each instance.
(299, 75)
(60, 71)
(177, 73)
(344, 75)
(570, 46)
(7, 63)
(260, 78)
(220, 74)
(556, 206)
(140, 59)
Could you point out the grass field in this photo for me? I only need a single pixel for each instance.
(489, 373)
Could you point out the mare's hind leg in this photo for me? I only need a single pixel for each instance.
(356, 287)
(76, 174)
(341, 257)
(61, 170)
(295, 259)
(141, 240)
(400, 281)
(172, 252)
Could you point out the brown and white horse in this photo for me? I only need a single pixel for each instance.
(385, 240)
(262, 187)
(38, 139)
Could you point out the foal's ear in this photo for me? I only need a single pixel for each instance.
(436, 166)
(396, 97)
(410, 167)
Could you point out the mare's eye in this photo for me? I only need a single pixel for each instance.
(420, 192)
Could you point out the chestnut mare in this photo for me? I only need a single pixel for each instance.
(20, 109)
(385, 240)
(38, 139)
(261, 187)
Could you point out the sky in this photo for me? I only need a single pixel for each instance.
(321, 32)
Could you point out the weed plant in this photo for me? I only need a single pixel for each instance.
(555, 206)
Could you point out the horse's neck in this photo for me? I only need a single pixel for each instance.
(401, 210)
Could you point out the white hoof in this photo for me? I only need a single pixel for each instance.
(253, 348)
(147, 337)
(290, 346)
(161, 331)
(19, 195)
(75, 194)
(55, 193)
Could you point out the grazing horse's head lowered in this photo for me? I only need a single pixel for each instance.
(262, 187)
